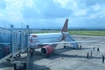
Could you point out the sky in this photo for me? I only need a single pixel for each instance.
(52, 13)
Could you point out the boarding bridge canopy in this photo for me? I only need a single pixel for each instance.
(13, 42)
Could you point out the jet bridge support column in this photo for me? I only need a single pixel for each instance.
(12, 39)
(30, 60)
(27, 44)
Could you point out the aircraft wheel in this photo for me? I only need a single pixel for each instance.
(8, 59)
(19, 55)
(80, 46)
(15, 67)
(65, 47)
(24, 65)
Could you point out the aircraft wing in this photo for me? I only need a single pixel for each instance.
(69, 42)
(4, 43)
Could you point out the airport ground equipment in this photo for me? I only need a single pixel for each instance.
(70, 38)
(17, 42)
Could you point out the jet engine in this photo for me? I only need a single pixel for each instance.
(47, 50)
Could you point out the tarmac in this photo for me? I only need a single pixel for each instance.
(69, 58)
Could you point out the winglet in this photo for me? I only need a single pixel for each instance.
(65, 27)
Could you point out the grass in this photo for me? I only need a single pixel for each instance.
(87, 32)
(77, 32)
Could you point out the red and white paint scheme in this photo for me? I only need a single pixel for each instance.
(48, 41)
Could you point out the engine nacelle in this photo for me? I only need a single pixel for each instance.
(47, 50)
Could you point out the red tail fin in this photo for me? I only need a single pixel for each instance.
(65, 27)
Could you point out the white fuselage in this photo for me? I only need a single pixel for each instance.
(38, 39)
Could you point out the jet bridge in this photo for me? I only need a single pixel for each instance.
(12, 43)
(70, 38)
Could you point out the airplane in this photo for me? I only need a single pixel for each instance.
(48, 41)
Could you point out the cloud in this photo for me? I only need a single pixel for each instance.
(93, 2)
(46, 9)
(52, 13)
(2, 4)
(86, 22)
